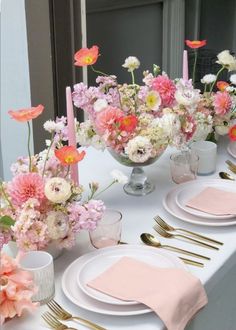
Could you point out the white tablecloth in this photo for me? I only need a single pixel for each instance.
(218, 275)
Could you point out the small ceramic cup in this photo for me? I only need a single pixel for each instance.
(207, 151)
(183, 166)
(108, 231)
(40, 264)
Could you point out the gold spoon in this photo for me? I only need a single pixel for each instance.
(226, 176)
(149, 239)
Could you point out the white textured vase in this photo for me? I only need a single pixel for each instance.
(52, 248)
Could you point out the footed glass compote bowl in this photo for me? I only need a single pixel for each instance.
(138, 184)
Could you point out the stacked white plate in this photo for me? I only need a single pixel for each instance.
(89, 266)
(232, 149)
(177, 198)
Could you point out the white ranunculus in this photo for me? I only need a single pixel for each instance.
(170, 124)
(139, 149)
(57, 224)
(119, 176)
(208, 79)
(227, 60)
(99, 105)
(57, 190)
(233, 79)
(131, 63)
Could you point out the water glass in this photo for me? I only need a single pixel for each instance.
(206, 150)
(108, 231)
(40, 264)
(183, 166)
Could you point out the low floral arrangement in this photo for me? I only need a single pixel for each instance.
(17, 289)
(139, 121)
(42, 203)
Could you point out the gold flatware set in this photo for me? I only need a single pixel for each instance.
(60, 314)
(167, 231)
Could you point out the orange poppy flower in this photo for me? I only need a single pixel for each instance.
(24, 115)
(221, 85)
(69, 155)
(86, 56)
(128, 123)
(195, 43)
(232, 133)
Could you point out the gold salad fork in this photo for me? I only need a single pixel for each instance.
(166, 234)
(231, 166)
(63, 315)
(54, 323)
(167, 227)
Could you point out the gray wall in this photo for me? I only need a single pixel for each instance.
(15, 89)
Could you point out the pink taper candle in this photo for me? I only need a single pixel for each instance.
(71, 132)
(185, 65)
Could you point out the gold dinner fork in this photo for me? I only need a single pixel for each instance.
(54, 323)
(166, 234)
(231, 165)
(167, 227)
(63, 315)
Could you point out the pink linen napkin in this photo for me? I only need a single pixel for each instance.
(173, 294)
(214, 201)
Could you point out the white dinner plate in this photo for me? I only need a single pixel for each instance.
(79, 298)
(98, 264)
(232, 149)
(188, 190)
(169, 203)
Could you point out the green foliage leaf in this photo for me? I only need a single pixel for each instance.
(6, 221)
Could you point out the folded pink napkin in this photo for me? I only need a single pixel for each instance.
(174, 294)
(214, 201)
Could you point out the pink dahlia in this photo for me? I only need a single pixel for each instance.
(107, 118)
(166, 88)
(222, 103)
(25, 186)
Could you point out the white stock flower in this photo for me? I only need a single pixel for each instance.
(169, 123)
(57, 224)
(51, 126)
(139, 149)
(227, 60)
(131, 63)
(233, 79)
(99, 105)
(119, 176)
(208, 79)
(57, 190)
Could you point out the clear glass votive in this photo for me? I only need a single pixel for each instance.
(40, 264)
(108, 231)
(184, 166)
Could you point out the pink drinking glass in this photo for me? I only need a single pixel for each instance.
(184, 166)
(108, 231)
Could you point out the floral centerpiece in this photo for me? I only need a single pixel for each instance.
(42, 204)
(217, 104)
(137, 122)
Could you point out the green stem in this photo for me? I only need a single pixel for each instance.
(132, 75)
(68, 171)
(194, 67)
(5, 196)
(46, 159)
(217, 75)
(99, 72)
(100, 192)
(28, 145)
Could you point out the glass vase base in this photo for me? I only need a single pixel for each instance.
(139, 190)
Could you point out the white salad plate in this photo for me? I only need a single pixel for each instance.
(189, 190)
(232, 149)
(170, 205)
(105, 259)
(74, 293)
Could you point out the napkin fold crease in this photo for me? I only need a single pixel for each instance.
(172, 293)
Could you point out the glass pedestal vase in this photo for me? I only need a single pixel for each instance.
(138, 184)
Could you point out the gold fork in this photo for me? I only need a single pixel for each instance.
(54, 323)
(63, 315)
(166, 234)
(231, 165)
(167, 227)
